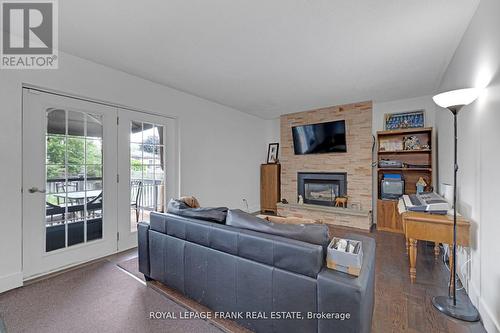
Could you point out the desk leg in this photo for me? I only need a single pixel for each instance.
(451, 275)
(413, 259)
(436, 250)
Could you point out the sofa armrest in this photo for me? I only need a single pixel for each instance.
(143, 247)
(342, 293)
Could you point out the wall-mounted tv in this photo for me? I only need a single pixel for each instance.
(319, 138)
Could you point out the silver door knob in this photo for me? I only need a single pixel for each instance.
(35, 189)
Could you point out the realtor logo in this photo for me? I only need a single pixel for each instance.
(29, 35)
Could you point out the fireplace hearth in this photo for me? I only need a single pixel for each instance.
(321, 188)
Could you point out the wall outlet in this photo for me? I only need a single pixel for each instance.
(245, 202)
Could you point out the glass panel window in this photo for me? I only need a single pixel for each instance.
(94, 172)
(94, 126)
(93, 151)
(146, 171)
(73, 178)
(76, 173)
(56, 149)
(56, 173)
(76, 123)
(136, 132)
(158, 135)
(56, 121)
(93, 184)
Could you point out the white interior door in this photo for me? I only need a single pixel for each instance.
(147, 155)
(69, 181)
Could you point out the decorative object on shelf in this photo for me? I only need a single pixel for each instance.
(411, 143)
(301, 200)
(421, 184)
(414, 119)
(460, 308)
(272, 153)
(341, 201)
(284, 201)
(391, 145)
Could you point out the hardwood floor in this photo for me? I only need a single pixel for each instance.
(401, 306)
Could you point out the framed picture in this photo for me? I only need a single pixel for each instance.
(395, 121)
(272, 153)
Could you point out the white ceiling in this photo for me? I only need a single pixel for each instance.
(269, 57)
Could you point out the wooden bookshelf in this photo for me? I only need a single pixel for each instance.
(390, 147)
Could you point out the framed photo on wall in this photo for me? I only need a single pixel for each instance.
(272, 153)
(413, 119)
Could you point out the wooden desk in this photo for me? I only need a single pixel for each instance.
(433, 228)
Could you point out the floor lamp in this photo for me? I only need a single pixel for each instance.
(462, 307)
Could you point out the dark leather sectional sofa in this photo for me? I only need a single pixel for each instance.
(229, 269)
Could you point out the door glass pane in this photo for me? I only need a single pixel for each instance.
(56, 121)
(146, 171)
(94, 126)
(76, 123)
(73, 178)
(93, 151)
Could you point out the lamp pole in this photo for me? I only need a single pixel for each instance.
(455, 171)
(462, 308)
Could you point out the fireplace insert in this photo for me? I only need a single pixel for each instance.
(321, 188)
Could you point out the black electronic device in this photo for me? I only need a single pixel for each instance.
(390, 164)
(320, 138)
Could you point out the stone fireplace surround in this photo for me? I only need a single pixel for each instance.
(355, 163)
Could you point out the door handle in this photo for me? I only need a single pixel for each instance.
(35, 189)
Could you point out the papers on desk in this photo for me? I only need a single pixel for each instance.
(401, 206)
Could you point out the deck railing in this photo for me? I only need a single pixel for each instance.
(150, 197)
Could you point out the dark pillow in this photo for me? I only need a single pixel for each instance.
(213, 214)
(310, 233)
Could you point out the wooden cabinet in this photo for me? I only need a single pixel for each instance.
(416, 164)
(270, 187)
(388, 217)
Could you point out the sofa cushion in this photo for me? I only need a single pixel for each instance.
(310, 233)
(213, 214)
(285, 253)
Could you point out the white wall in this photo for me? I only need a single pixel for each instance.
(403, 105)
(476, 63)
(273, 132)
(220, 148)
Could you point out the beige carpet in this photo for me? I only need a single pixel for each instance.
(99, 297)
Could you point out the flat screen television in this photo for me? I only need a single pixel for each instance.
(319, 138)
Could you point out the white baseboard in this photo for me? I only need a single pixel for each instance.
(11, 281)
(489, 321)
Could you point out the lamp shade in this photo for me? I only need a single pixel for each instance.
(458, 97)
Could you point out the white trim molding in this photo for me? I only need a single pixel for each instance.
(489, 321)
(11, 281)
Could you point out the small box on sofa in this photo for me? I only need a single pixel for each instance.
(341, 259)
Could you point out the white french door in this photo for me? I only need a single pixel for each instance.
(69, 181)
(90, 173)
(147, 169)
